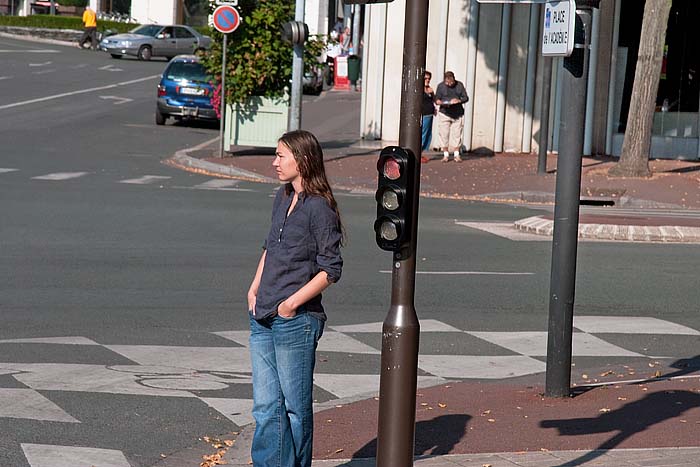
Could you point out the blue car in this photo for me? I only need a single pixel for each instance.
(185, 91)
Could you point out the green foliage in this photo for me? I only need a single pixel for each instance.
(258, 61)
(79, 3)
(61, 22)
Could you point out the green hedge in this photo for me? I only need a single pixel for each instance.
(74, 22)
(61, 22)
(80, 3)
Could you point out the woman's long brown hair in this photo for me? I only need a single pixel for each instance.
(309, 158)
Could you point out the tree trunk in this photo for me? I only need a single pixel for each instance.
(634, 161)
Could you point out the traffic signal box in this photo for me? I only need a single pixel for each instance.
(395, 194)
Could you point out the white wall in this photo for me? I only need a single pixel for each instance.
(154, 11)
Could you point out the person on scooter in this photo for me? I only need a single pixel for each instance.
(90, 28)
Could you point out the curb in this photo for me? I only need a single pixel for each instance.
(629, 233)
(182, 160)
(42, 40)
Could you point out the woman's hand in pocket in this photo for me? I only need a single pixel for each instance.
(251, 302)
(286, 311)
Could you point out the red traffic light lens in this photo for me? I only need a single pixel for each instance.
(391, 168)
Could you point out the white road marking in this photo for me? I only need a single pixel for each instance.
(109, 68)
(426, 325)
(40, 64)
(486, 367)
(5, 77)
(68, 340)
(29, 51)
(46, 455)
(630, 325)
(145, 180)
(43, 72)
(73, 93)
(29, 404)
(468, 273)
(505, 230)
(233, 359)
(534, 344)
(4, 171)
(120, 100)
(239, 411)
(60, 176)
(217, 184)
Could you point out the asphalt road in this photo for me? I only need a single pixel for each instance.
(123, 281)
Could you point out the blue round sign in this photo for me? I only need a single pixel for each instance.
(226, 18)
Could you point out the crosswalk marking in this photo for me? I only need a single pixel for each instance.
(145, 180)
(217, 184)
(60, 176)
(46, 455)
(27, 403)
(4, 171)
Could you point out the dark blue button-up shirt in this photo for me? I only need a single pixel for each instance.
(298, 246)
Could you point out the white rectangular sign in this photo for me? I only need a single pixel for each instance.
(559, 27)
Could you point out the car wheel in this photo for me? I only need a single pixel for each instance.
(145, 53)
(116, 56)
(160, 118)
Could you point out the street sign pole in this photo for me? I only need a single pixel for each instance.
(566, 209)
(222, 95)
(294, 122)
(226, 20)
(400, 331)
(544, 119)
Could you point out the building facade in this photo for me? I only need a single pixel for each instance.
(494, 49)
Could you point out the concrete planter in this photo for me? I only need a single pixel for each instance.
(259, 123)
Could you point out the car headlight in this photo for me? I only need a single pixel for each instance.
(124, 44)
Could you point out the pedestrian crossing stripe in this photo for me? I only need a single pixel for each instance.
(145, 180)
(58, 176)
(3, 171)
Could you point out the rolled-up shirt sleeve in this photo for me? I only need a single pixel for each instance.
(327, 236)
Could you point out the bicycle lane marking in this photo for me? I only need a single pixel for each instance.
(73, 93)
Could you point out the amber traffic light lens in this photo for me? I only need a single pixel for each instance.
(388, 231)
(390, 200)
(391, 169)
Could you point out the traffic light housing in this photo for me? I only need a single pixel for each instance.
(395, 198)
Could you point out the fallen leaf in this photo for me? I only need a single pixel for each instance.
(604, 410)
(491, 420)
(441, 405)
(338, 450)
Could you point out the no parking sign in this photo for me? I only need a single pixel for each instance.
(226, 18)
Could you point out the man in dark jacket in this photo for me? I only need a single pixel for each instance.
(451, 96)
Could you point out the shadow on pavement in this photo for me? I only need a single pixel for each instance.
(628, 420)
(433, 437)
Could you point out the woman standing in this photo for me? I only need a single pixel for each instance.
(427, 110)
(301, 258)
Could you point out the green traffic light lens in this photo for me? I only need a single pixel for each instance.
(388, 231)
(390, 200)
(391, 168)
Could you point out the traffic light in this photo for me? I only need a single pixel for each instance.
(395, 191)
(295, 32)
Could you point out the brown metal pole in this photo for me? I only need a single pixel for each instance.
(399, 363)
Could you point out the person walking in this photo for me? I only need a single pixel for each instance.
(451, 96)
(427, 111)
(300, 259)
(90, 28)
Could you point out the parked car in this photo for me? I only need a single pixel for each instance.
(152, 40)
(185, 91)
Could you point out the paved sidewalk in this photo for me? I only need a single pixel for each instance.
(612, 421)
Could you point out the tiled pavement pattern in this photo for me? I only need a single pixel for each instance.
(188, 372)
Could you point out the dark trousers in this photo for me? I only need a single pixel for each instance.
(92, 34)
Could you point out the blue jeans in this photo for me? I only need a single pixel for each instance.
(426, 132)
(282, 352)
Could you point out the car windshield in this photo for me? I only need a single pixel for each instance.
(147, 30)
(190, 71)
